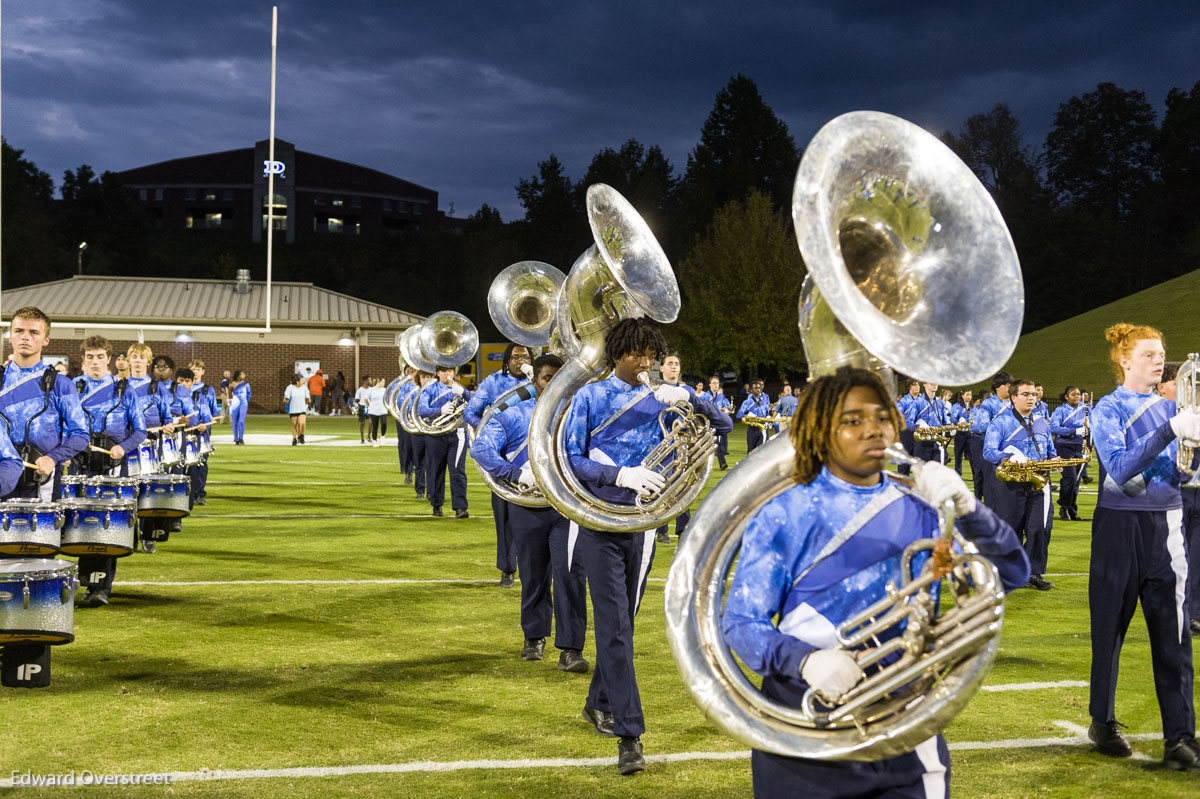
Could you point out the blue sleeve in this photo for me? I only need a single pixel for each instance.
(135, 420)
(473, 413)
(488, 451)
(760, 586)
(991, 444)
(1108, 434)
(185, 401)
(577, 446)
(425, 407)
(10, 464)
(982, 417)
(997, 542)
(73, 422)
(747, 405)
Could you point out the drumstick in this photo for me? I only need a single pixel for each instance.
(100, 449)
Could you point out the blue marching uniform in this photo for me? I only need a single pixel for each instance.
(549, 584)
(488, 392)
(681, 521)
(962, 439)
(983, 475)
(198, 472)
(114, 419)
(446, 450)
(1028, 510)
(1190, 494)
(906, 432)
(759, 406)
(720, 402)
(1138, 553)
(42, 416)
(404, 446)
(239, 406)
(926, 411)
(206, 395)
(812, 558)
(1066, 423)
(611, 424)
(414, 460)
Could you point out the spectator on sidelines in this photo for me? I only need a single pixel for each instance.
(316, 390)
(377, 411)
(360, 403)
(298, 400)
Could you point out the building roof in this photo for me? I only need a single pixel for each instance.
(150, 300)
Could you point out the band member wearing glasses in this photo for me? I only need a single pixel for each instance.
(514, 371)
(1138, 550)
(611, 426)
(541, 535)
(829, 547)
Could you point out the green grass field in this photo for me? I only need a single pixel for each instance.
(402, 685)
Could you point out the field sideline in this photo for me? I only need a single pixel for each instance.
(313, 632)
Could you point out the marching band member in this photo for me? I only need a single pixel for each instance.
(610, 428)
(178, 400)
(512, 373)
(46, 427)
(116, 424)
(716, 396)
(541, 536)
(448, 449)
(927, 410)
(960, 411)
(982, 473)
(787, 403)
(757, 405)
(1040, 410)
(1016, 435)
(1138, 550)
(812, 558)
(1190, 494)
(239, 405)
(1067, 423)
(907, 441)
(156, 411)
(669, 369)
(417, 440)
(206, 395)
(404, 448)
(186, 378)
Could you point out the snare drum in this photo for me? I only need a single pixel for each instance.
(206, 445)
(145, 460)
(111, 488)
(169, 453)
(72, 486)
(164, 496)
(30, 528)
(99, 527)
(191, 449)
(35, 601)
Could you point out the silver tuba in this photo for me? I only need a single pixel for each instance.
(910, 265)
(391, 395)
(623, 274)
(1187, 397)
(447, 339)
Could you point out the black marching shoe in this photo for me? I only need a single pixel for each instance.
(201, 500)
(408, 479)
(437, 510)
(506, 579)
(1182, 754)
(301, 439)
(602, 720)
(534, 647)
(1062, 514)
(1108, 739)
(571, 660)
(293, 442)
(663, 538)
(1195, 626)
(174, 526)
(94, 599)
(461, 513)
(148, 546)
(629, 756)
(1040, 583)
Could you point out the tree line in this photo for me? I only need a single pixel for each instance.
(1108, 205)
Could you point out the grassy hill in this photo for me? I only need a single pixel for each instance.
(1074, 352)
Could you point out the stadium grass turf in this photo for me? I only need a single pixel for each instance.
(179, 678)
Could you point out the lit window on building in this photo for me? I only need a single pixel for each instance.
(338, 202)
(278, 211)
(212, 221)
(334, 225)
(210, 196)
(188, 222)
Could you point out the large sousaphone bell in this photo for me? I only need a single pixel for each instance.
(446, 340)
(623, 274)
(521, 302)
(910, 266)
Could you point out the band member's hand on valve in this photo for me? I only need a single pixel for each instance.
(1186, 426)
(457, 389)
(640, 479)
(939, 483)
(831, 672)
(669, 395)
(1015, 455)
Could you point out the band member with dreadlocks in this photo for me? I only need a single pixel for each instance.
(611, 426)
(47, 427)
(514, 370)
(117, 427)
(829, 547)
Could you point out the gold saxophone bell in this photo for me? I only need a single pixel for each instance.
(902, 243)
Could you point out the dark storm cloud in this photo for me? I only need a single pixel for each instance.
(467, 98)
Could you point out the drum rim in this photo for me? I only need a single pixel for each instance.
(68, 569)
(37, 504)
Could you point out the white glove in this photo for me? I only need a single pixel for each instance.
(1016, 455)
(447, 409)
(1186, 425)
(527, 370)
(640, 479)
(750, 415)
(922, 423)
(669, 395)
(526, 479)
(457, 389)
(939, 483)
(831, 672)
(1079, 431)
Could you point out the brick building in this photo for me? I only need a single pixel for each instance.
(224, 195)
(308, 323)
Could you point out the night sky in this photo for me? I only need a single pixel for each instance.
(467, 98)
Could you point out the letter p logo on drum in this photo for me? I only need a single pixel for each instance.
(26, 671)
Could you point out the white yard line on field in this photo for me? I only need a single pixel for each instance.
(1036, 686)
(303, 582)
(1078, 738)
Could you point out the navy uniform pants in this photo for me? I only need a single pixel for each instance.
(548, 584)
(1068, 483)
(981, 470)
(923, 773)
(506, 540)
(418, 462)
(1140, 555)
(909, 443)
(962, 442)
(442, 452)
(929, 451)
(755, 438)
(616, 566)
(1029, 513)
(722, 449)
(1191, 534)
